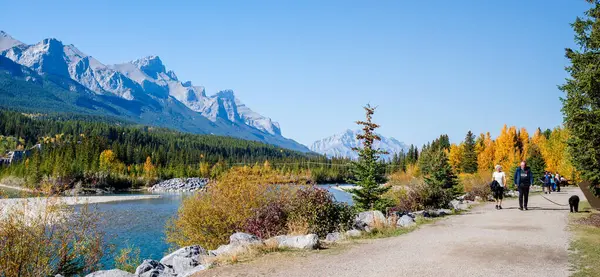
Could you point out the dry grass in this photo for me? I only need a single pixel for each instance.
(54, 239)
(248, 253)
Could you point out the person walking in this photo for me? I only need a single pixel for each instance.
(557, 181)
(547, 177)
(523, 181)
(499, 177)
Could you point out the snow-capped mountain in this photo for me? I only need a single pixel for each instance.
(340, 145)
(145, 81)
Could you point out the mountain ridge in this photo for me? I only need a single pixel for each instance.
(147, 81)
(340, 145)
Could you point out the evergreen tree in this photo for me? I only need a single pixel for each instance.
(536, 162)
(410, 155)
(441, 173)
(469, 156)
(581, 106)
(368, 172)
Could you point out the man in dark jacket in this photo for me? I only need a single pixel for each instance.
(523, 180)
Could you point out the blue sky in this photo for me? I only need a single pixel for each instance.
(431, 67)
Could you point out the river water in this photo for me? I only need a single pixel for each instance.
(141, 223)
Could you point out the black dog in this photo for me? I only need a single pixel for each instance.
(574, 203)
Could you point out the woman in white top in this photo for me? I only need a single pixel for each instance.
(499, 177)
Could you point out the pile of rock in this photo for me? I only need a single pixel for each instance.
(365, 222)
(189, 260)
(512, 193)
(179, 185)
(460, 204)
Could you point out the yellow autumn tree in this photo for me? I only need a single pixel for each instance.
(524, 141)
(565, 167)
(556, 155)
(149, 170)
(267, 165)
(204, 169)
(538, 138)
(485, 153)
(506, 154)
(108, 160)
(455, 154)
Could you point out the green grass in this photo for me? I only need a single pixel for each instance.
(385, 232)
(585, 246)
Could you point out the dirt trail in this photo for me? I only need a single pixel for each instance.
(481, 242)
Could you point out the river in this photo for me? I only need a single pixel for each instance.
(141, 223)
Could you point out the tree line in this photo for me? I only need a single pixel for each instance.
(122, 155)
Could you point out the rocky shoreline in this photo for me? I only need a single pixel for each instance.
(180, 185)
(190, 260)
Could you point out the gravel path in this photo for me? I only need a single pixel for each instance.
(482, 242)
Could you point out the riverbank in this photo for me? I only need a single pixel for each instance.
(16, 188)
(35, 206)
(344, 188)
(78, 200)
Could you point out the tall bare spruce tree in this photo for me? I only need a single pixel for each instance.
(368, 172)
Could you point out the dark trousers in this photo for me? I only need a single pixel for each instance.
(523, 196)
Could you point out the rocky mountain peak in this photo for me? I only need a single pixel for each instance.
(52, 44)
(148, 82)
(6, 41)
(226, 94)
(151, 65)
(340, 145)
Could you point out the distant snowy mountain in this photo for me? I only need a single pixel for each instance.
(145, 83)
(340, 145)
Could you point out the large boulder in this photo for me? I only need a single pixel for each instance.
(185, 259)
(405, 221)
(310, 241)
(437, 213)
(443, 212)
(244, 239)
(192, 271)
(153, 268)
(419, 213)
(353, 233)
(109, 273)
(228, 249)
(333, 237)
(369, 219)
(238, 242)
(459, 205)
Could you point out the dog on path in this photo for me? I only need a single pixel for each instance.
(574, 203)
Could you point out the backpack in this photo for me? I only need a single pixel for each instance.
(494, 185)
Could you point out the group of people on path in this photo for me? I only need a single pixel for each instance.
(552, 182)
(523, 179)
